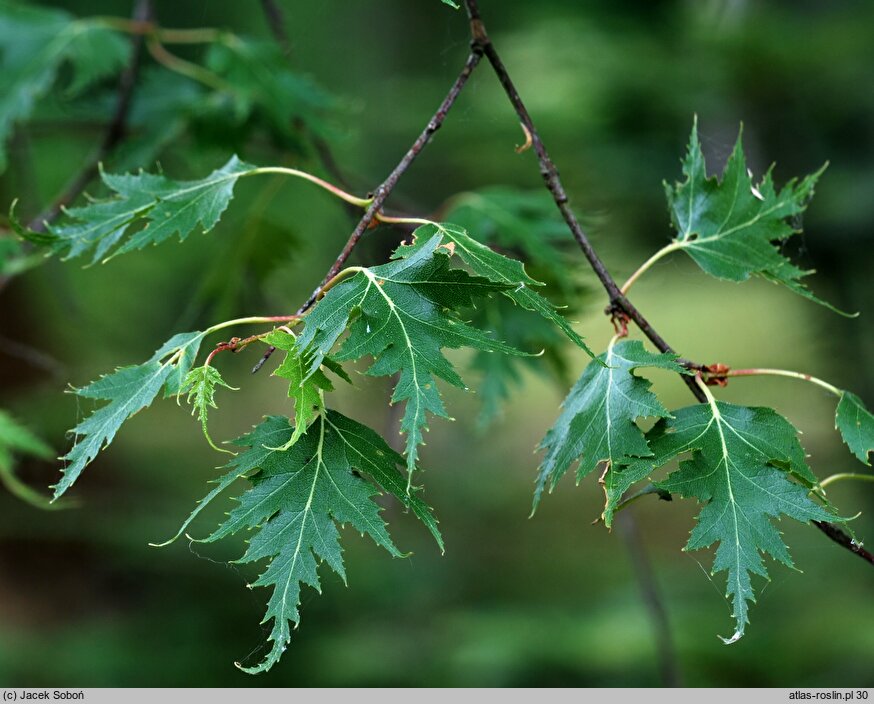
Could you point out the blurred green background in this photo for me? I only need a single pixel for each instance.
(549, 601)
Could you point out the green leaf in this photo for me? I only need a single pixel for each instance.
(297, 498)
(403, 314)
(740, 468)
(524, 223)
(497, 268)
(15, 439)
(451, 3)
(95, 53)
(164, 108)
(34, 43)
(261, 85)
(733, 227)
(128, 390)
(856, 425)
(162, 207)
(200, 385)
(304, 389)
(598, 419)
(500, 373)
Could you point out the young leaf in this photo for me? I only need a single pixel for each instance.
(303, 388)
(598, 418)
(164, 208)
(856, 425)
(200, 385)
(741, 459)
(34, 43)
(403, 314)
(15, 439)
(297, 498)
(497, 268)
(128, 390)
(732, 227)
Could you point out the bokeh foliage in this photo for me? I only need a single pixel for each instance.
(83, 601)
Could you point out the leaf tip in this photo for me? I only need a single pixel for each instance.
(738, 634)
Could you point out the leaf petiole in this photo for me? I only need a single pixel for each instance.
(388, 219)
(846, 476)
(663, 252)
(781, 372)
(205, 35)
(186, 68)
(331, 188)
(337, 278)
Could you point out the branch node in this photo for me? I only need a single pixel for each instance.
(620, 322)
(716, 374)
(479, 37)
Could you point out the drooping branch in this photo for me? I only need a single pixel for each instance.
(115, 131)
(619, 304)
(384, 190)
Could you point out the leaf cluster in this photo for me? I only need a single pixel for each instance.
(472, 283)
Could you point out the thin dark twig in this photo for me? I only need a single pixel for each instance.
(619, 305)
(669, 666)
(844, 540)
(276, 22)
(33, 356)
(384, 190)
(116, 130)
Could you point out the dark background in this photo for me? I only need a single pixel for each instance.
(549, 601)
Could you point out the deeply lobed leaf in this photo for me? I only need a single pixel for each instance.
(160, 207)
(525, 225)
(733, 227)
(262, 88)
(34, 44)
(497, 268)
(740, 468)
(856, 425)
(598, 420)
(128, 390)
(403, 314)
(299, 495)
